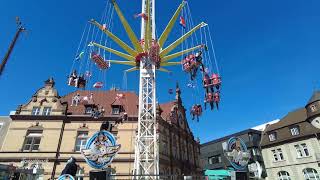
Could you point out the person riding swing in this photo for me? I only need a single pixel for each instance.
(72, 78)
(216, 98)
(196, 111)
(209, 98)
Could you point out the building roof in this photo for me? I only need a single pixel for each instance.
(166, 109)
(315, 97)
(291, 118)
(104, 99)
(232, 135)
(262, 127)
(282, 128)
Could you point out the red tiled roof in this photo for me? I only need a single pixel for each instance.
(166, 108)
(105, 99)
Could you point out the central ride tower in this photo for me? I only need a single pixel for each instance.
(146, 164)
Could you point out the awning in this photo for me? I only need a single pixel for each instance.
(221, 173)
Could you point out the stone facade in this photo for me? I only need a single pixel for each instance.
(4, 126)
(291, 147)
(45, 132)
(292, 164)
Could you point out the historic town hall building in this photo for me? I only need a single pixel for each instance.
(47, 130)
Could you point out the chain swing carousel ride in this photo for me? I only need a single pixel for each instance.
(146, 55)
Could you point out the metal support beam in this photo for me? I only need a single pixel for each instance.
(123, 45)
(181, 39)
(118, 53)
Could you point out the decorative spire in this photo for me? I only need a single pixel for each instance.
(178, 93)
(49, 82)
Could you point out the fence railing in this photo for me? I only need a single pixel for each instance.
(160, 177)
(148, 177)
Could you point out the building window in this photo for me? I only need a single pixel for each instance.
(46, 111)
(80, 174)
(310, 174)
(313, 108)
(283, 175)
(164, 147)
(116, 109)
(32, 141)
(214, 160)
(295, 131)
(81, 140)
(88, 110)
(273, 136)
(256, 152)
(302, 150)
(35, 111)
(277, 155)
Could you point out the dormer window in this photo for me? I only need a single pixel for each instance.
(35, 111)
(89, 109)
(273, 136)
(295, 130)
(313, 108)
(116, 109)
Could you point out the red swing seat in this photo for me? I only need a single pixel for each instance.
(154, 53)
(215, 80)
(196, 110)
(186, 65)
(100, 62)
(139, 57)
(216, 97)
(209, 97)
(206, 81)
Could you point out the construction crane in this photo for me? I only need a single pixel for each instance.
(20, 29)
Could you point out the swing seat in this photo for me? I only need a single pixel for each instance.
(71, 82)
(199, 110)
(139, 58)
(215, 80)
(209, 100)
(186, 67)
(196, 110)
(216, 97)
(98, 85)
(206, 82)
(154, 52)
(192, 57)
(209, 97)
(100, 62)
(82, 83)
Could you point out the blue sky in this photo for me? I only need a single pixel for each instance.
(268, 52)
